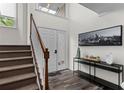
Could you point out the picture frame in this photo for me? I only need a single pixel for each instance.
(111, 36)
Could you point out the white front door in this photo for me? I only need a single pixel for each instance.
(49, 38)
(61, 53)
(55, 41)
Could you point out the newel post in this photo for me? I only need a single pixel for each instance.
(46, 56)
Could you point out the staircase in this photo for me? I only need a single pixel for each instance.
(17, 70)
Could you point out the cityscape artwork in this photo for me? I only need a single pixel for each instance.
(111, 36)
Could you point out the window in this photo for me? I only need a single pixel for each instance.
(52, 8)
(8, 15)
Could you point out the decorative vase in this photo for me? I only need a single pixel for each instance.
(78, 53)
(122, 85)
(109, 58)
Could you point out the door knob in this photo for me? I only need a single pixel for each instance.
(55, 51)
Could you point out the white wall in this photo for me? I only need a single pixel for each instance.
(84, 20)
(4, 10)
(15, 36)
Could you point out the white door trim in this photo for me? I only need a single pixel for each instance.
(52, 28)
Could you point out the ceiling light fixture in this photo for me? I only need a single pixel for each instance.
(44, 9)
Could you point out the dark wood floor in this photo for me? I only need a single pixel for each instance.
(65, 80)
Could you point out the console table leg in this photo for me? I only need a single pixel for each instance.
(118, 77)
(78, 64)
(90, 72)
(94, 71)
(122, 73)
(73, 66)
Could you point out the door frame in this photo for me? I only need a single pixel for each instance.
(66, 45)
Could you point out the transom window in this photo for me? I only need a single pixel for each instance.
(8, 15)
(52, 8)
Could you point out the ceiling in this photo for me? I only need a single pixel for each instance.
(101, 8)
(53, 6)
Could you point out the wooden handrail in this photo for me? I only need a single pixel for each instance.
(39, 38)
(44, 50)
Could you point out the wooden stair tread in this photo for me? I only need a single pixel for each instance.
(15, 51)
(15, 58)
(29, 87)
(16, 68)
(15, 45)
(8, 68)
(16, 78)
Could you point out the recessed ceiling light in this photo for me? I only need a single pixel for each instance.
(48, 5)
(52, 12)
(44, 9)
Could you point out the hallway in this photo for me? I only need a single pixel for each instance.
(65, 80)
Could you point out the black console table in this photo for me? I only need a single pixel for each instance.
(117, 68)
